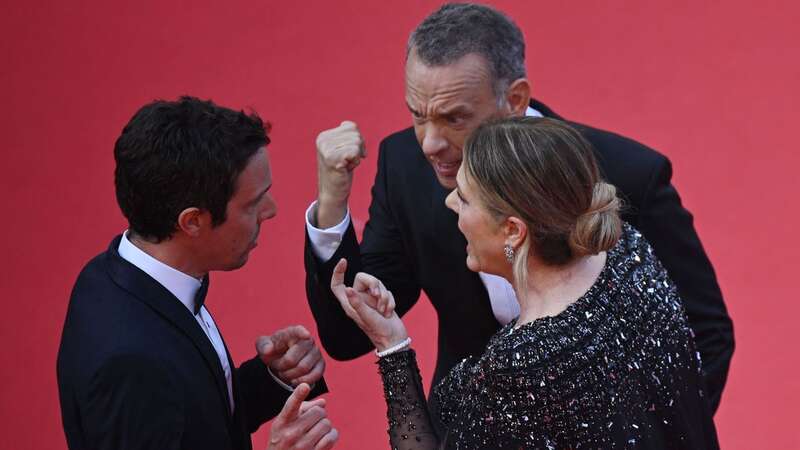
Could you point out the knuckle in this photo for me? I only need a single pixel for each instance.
(291, 435)
(290, 361)
(333, 435)
(318, 412)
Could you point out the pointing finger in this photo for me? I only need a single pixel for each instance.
(337, 280)
(291, 409)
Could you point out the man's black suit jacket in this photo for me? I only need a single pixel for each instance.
(136, 371)
(412, 242)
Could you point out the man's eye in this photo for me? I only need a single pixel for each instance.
(455, 120)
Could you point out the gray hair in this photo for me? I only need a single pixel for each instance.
(458, 29)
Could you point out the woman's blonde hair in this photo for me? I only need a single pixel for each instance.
(544, 172)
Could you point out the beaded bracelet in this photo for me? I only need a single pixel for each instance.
(395, 348)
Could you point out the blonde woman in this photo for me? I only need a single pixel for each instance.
(601, 355)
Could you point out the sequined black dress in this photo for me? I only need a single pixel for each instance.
(616, 369)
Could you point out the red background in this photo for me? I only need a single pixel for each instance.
(713, 85)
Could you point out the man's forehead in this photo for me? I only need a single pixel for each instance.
(456, 85)
(472, 66)
(257, 173)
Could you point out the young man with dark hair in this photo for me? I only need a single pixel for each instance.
(142, 364)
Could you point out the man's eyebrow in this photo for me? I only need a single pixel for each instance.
(413, 111)
(458, 109)
(463, 110)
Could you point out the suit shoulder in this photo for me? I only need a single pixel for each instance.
(101, 315)
(618, 148)
(93, 272)
(627, 164)
(403, 141)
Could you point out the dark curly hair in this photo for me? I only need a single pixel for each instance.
(174, 155)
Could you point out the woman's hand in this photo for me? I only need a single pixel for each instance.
(370, 305)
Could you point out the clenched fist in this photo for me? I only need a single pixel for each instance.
(291, 355)
(339, 151)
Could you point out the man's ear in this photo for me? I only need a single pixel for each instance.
(192, 221)
(518, 97)
(516, 231)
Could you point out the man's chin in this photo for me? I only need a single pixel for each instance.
(448, 183)
(236, 265)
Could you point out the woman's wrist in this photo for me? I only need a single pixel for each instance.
(389, 342)
(405, 344)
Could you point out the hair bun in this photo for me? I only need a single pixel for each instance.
(599, 228)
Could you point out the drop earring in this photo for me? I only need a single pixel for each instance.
(509, 251)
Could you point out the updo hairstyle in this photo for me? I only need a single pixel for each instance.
(544, 172)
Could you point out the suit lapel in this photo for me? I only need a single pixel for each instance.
(157, 297)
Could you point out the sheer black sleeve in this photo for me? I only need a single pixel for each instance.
(410, 424)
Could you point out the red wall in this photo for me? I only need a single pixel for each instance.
(714, 86)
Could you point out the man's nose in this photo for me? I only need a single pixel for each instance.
(270, 208)
(434, 141)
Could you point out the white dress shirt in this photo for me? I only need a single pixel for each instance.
(325, 242)
(183, 287)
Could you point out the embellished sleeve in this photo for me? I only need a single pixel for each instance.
(410, 424)
(450, 390)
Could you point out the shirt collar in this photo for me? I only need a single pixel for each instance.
(184, 287)
(530, 112)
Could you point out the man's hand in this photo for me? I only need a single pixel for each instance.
(370, 305)
(339, 151)
(302, 425)
(291, 355)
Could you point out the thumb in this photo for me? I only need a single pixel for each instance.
(267, 349)
(337, 279)
(291, 409)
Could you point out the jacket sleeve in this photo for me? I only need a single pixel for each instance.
(382, 253)
(133, 403)
(261, 397)
(668, 226)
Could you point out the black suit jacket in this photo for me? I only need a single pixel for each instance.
(411, 242)
(136, 371)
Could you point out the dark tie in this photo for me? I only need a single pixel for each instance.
(200, 296)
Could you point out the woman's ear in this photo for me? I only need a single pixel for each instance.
(516, 231)
(191, 221)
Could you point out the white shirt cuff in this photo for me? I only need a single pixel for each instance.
(284, 385)
(280, 382)
(324, 243)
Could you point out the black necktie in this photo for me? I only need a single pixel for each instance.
(200, 296)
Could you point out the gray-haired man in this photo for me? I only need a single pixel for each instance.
(465, 64)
